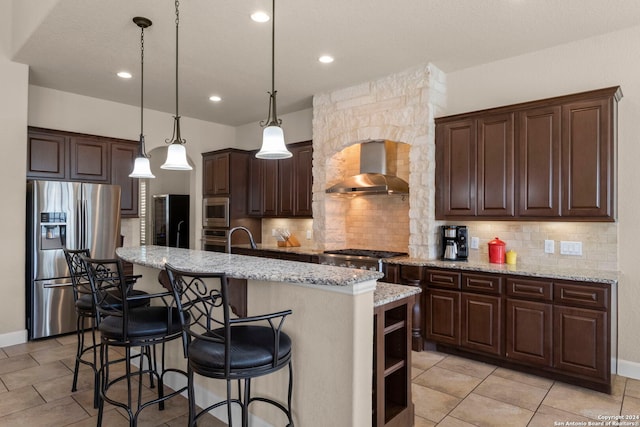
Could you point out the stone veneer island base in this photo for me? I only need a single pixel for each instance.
(331, 328)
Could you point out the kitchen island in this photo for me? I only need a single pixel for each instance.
(331, 328)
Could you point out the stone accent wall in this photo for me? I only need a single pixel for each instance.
(398, 108)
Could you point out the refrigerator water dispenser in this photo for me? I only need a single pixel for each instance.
(53, 230)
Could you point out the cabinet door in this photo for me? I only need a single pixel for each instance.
(286, 184)
(221, 174)
(255, 189)
(529, 332)
(495, 166)
(457, 143)
(588, 169)
(581, 341)
(481, 323)
(208, 166)
(303, 180)
(46, 155)
(123, 156)
(443, 316)
(539, 162)
(270, 188)
(88, 159)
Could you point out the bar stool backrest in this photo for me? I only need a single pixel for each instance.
(79, 277)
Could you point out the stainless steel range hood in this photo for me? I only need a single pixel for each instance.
(377, 164)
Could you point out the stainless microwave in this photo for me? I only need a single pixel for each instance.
(215, 212)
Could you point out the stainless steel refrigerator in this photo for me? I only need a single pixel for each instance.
(64, 214)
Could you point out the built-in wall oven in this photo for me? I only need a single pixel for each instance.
(214, 239)
(215, 212)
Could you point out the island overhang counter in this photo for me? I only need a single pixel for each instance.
(331, 328)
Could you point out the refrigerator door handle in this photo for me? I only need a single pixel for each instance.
(57, 285)
(85, 221)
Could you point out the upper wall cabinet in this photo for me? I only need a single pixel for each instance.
(548, 159)
(282, 188)
(225, 174)
(60, 155)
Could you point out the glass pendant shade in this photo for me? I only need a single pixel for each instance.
(273, 146)
(176, 158)
(141, 168)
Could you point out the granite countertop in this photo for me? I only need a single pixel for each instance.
(553, 272)
(390, 292)
(246, 267)
(290, 249)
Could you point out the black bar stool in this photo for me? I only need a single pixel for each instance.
(230, 349)
(121, 324)
(86, 313)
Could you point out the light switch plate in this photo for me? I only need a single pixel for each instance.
(549, 247)
(475, 242)
(570, 248)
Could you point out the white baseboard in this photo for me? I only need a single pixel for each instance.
(13, 338)
(629, 369)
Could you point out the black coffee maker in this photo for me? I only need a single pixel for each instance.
(455, 243)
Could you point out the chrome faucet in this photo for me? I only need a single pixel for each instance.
(252, 242)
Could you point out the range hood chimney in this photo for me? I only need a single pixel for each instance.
(377, 172)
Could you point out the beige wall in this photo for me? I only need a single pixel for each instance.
(598, 62)
(13, 131)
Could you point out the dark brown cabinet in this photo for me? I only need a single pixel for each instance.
(548, 159)
(88, 160)
(226, 174)
(556, 328)
(216, 174)
(282, 188)
(275, 254)
(589, 158)
(392, 404)
(123, 155)
(46, 155)
(539, 162)
(61, 155)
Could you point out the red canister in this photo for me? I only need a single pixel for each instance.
(497, 251)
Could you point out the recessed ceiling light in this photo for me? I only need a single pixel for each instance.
(215, 98)
(260, 16)
(124, 75)
(326, 59)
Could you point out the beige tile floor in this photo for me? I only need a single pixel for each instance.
(35, 390)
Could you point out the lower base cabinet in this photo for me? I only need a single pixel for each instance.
(529, 332)
(555, 328)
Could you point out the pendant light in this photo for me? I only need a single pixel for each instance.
(273, 146)
(176, 153)
(142, 168)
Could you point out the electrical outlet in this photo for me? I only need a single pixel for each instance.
(273, 232)
(549, 247)
(475, 242)
(308, 234)
(571, 248)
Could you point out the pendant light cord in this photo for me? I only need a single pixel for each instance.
(272, 116)
(175, 137)
(177, 25)
(142, 91)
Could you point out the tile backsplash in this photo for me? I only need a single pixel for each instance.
(296, 226)
(599, 242)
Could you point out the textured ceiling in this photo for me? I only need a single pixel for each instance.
(81, 44)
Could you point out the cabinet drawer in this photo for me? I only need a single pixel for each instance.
(487, 284)
(530, 289)
(443, 279)
(581, 295)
